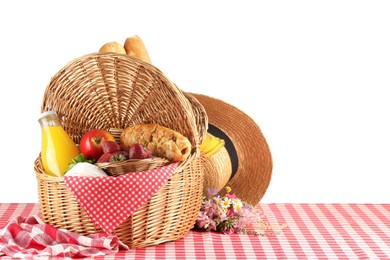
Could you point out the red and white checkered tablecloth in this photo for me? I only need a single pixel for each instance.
(314, 231)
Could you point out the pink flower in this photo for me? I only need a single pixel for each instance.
(230, 211)
(231, 196)
(228, 214)
(201, 221)
(204, 222)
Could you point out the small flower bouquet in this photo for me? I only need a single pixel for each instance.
(228, 215)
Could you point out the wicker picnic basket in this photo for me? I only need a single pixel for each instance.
(113, 91)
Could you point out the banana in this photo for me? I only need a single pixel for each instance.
(211, 145)
(205, 142)
(216, 148)
(209, 142)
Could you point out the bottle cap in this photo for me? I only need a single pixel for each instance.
(46, 113)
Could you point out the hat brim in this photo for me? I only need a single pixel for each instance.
(252, 167)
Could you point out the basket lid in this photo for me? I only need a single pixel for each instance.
(111, 90)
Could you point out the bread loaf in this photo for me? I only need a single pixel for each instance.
(113, 47)
(162, 141)
(134, 46)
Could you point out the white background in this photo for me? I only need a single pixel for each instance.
(314, 75)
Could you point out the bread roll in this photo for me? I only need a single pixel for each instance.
(162, 141)
(113, 47)
(134, 46)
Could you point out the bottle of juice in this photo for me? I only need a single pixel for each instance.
(58, 149)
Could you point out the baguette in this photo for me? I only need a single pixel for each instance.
(134, 46)
(162, 141)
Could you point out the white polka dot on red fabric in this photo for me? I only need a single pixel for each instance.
(109, 201)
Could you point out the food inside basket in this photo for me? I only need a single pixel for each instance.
(137, 148)
(162, 141)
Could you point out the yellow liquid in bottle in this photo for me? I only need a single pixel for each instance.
(58, 150)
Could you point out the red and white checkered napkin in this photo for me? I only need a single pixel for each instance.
(26, 237)
(109, 201)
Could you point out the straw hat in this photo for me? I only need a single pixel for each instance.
(247, 148)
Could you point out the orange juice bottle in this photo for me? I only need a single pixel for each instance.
(58, 149)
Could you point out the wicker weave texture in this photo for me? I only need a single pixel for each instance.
(167, 216)
(217, 170)
(199, 115)
(112, 91)
(106, 91)
(132, 165)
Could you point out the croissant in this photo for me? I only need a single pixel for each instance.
(162, 141)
